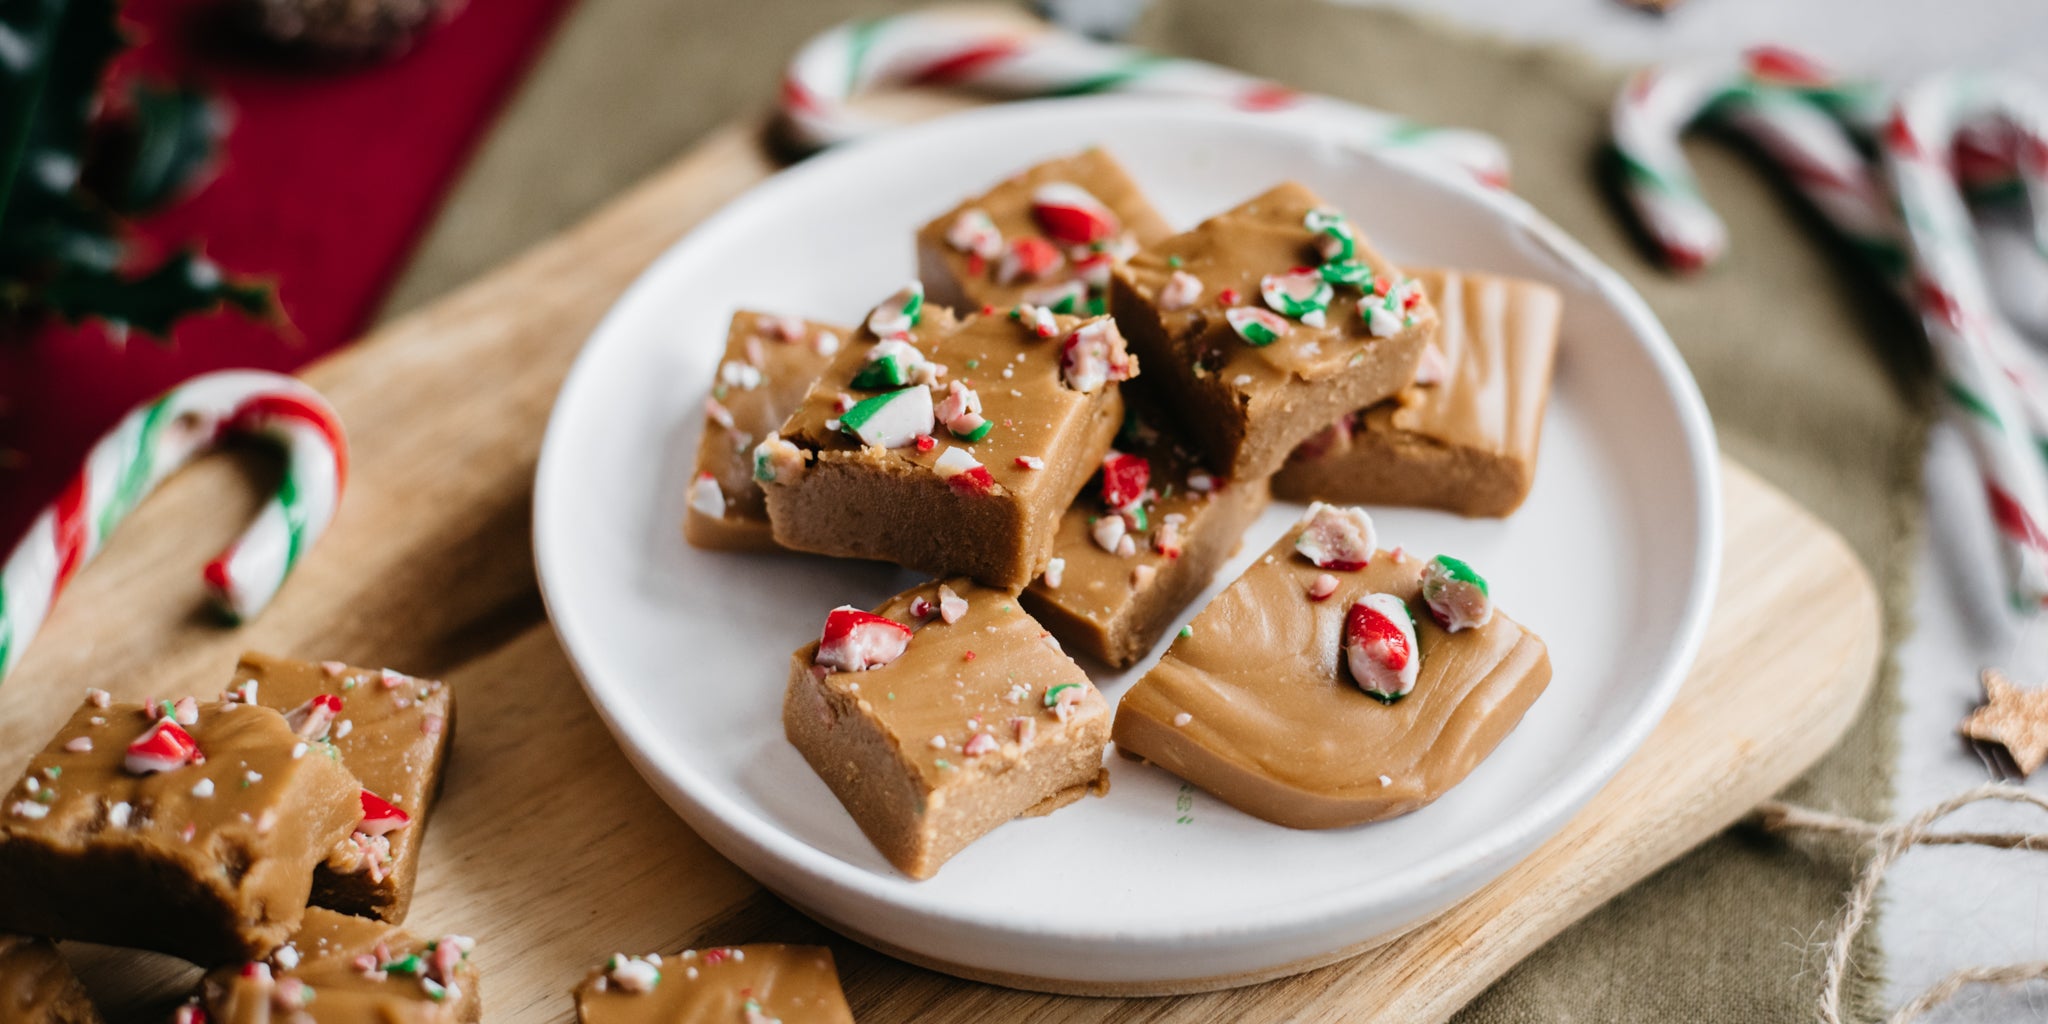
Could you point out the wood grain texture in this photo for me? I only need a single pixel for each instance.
(551, 851)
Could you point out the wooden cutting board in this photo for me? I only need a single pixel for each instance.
(549, 849)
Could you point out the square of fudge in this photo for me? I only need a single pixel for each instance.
(941, 715)
(393, 731)
(768, 366)
(1464, 436)
(1322, 688)
(1145, 536)
(37, 986)
(1267, 322)
(341, 969)
(757, 982)
(186, 828)
(1047, 236)
(948, 446)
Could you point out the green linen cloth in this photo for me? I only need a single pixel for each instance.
(1816, 378)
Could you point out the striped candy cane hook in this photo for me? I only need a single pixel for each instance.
(1991, 372)
(148, 445)
(1790, 106)
(1000, 54)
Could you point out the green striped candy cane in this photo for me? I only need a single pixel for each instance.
(1002, 54)
(151, 443)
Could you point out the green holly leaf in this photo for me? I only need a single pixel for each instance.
(183, 285)
(176, 133)
(49, 85)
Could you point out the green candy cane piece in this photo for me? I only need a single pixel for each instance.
(1353, 273)
(1457, 596)
(1342, 244)
(885, 372)
(1052, 694)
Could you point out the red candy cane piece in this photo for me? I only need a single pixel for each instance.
(148, 445)
(855, 641)
(1124, 480)
(164, 746)
(1380, 648)
(1071, 215)
(381, 816)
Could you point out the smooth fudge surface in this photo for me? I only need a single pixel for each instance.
(1113, 601)
(1248, 405)
(898, 504)
(720, 985)
(208, 861)
(977, 722)
(343, 969)
(965, 268)
(768, 366)
(1465, 438)
(37, 986)
(1256, 705)
(393, 731)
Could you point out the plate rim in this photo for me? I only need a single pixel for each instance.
(715, 816)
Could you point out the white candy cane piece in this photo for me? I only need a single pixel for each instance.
(147, 446)
(999, 53)
(974, 232)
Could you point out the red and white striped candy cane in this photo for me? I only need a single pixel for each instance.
(149, 444)
(999, 54)
(1791, 107)
(1988, 369)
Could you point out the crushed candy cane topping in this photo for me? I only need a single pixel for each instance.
(1093, 355)
(635, 974)
(706, 497)
(1380, 647)
(1182, 290)
(974, 232)
(856, 641)
(1336, 537)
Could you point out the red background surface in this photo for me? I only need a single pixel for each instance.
(327, 179)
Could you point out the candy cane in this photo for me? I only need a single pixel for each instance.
(1989, 370)
(996, 53)
(1791, 107)
(152, 442)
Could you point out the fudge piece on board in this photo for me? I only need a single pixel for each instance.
(37, 986)
(1047, 236)
(1334, 683)
(190, 829)
(720, 985)
(1463, 437)
(941, 715)
(948, 446)
(1265, 323)
(393, 731)
(343, 969)
(768, 366)
(1145, 536)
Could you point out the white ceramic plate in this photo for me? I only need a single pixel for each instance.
(684, 652)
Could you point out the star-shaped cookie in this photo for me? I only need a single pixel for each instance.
(2013, 718)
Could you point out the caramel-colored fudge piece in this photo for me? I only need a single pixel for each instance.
(117, 835)
(1114, 587)
(1261, 703)
(393, 731)
(1463, 437)
(932, 732)
(1251, 382)
(768, 366)
(879, 471)
(723, 985)
(37, 986)
(1047, 236)
(342, 969)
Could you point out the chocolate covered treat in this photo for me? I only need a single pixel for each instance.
(190, 829)
(1140, 542)
(37, 986)
(724, 985)
(393, 731)
(1046, 237)
(1334, 683)
(1266, 323)
(1463, 437)
(342, 969)
(941, 715)
(948, 446)
(768, 366)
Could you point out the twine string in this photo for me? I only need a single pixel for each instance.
(1891, 841)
